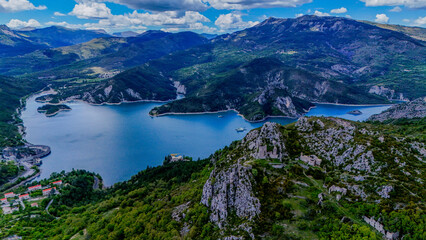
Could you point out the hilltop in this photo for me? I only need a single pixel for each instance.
(319, 178)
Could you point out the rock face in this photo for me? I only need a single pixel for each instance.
(266, 142)
(382, 91)
(230, 190)
(353, 153)
(413, 109)
(379, 227)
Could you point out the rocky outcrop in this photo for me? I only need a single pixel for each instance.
(229, 190)
(379, 227)
(311, 160)
(384, 191)
(413, 109)
(347, 153)
(266, 142)
(382, 91)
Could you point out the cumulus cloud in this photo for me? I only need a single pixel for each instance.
(232, 21)
(202, 5)
(381, 18)
(59, 14)
(406, 3)
(16, 23)
(248, 4)
(396, 9)
(18, 5)
(91, 10)
(420, 21)
(321, 14)
(65, 24)
(188, 20)
(339, 10)
(164, 5)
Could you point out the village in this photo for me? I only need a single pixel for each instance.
(31, 197)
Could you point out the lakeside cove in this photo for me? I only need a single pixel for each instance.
(93, 137)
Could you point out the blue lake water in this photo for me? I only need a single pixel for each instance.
(120, 140)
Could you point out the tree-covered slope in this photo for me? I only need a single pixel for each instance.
(355, 60)
(320, 178)
(99, 56)
(265, 87)
(56, 36)
(414, 32)
(11, 92)
(14, 42)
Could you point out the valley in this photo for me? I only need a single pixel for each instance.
(292, 128)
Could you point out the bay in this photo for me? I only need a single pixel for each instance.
(117, 141)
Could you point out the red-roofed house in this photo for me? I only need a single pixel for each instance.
(9, 195)
(34, 204)
(4, 200)
(33, 188)
(24, 196)
(48, 190)
(57, 182)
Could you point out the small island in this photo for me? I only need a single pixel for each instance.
(49, 98)
(51, 110)
(355, 112)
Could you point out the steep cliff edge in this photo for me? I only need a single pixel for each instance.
(319, 163)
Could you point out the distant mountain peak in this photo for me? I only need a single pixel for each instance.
(4, 27)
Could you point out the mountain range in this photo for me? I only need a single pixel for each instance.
(329, 56)
(280, 67)
(18, 42)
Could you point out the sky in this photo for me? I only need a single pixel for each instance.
(208, 16)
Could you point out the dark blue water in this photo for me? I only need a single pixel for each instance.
(119, 141)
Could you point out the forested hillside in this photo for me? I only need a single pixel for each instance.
(319, 178)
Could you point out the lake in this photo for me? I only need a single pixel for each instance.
(117, 141)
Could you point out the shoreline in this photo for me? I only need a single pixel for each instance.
(355, 105)
(70, 100)
(230, 110)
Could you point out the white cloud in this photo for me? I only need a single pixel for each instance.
(91, 10)
(406, 3)
(381, 18)
(59, 14)
(164, 5)
(420, 21)
(406, 20)
(65, 24)
(189, 20)
(18, 5)
(249, 4)
(339, 10)
(16, 23)
(232, 21)
(202, 5)
(299, 15)
(321, 14)
(396, 9)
